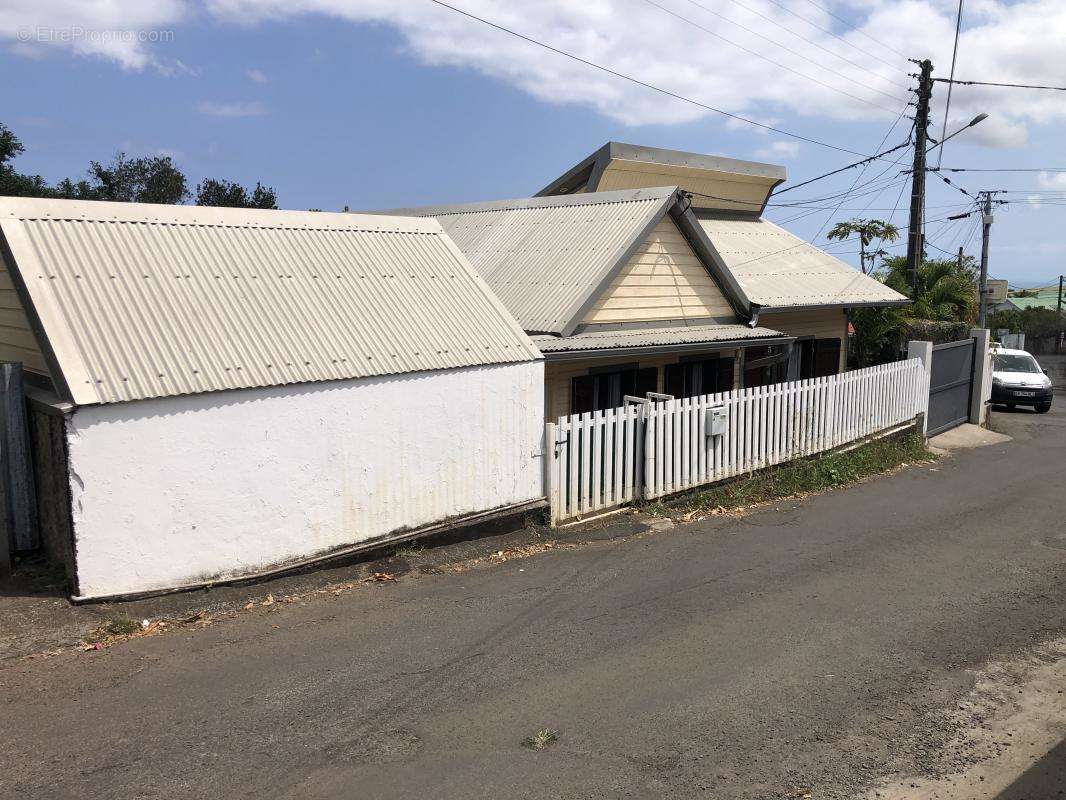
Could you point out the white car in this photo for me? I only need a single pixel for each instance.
(1018, 380)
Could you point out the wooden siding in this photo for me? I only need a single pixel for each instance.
(557, 375)
(664, 280)
(17, 342)
(829, 323)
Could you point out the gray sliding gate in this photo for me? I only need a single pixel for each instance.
(950, 385)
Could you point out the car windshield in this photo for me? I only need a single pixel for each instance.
(1005, 362)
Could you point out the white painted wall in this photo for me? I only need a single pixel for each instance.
(183, 489)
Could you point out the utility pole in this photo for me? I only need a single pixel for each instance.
(915, 239)
(986, 225)
(1058, 340)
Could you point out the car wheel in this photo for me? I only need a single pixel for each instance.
(1043, 409)
(1010, 406)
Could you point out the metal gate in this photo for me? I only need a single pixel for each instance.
(950, 385)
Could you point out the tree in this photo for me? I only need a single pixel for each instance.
(212, 192)
(945, 291)
(149, 179)
(867, 230)
(945, 288)
(12, 183)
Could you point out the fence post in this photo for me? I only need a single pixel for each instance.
(982, 376)
(551, 467)
(923, 351)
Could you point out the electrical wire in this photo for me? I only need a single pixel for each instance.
(1004, 85)
(842, 169)
(769, 60)
(821, 47)
(645, 84)
(833, 213)
(951, 83)
(828, 32)
(787, 49)
(861, 33)
(1001, 169)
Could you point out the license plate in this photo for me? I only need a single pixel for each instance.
(1025, 394)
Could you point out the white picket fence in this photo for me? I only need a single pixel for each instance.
(608, 458)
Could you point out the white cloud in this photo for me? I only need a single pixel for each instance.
(1052, 180)
(234, 109)
(1004, 40)
(779, 150)
(128, 32)
(256, 76)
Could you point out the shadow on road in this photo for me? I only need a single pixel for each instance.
(1045, 780)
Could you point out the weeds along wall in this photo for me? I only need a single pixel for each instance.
(191, 488)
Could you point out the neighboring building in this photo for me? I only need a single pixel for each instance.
(630, 284)
(1037, 297)
(217, 391)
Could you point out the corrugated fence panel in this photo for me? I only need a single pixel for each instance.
(664, 447)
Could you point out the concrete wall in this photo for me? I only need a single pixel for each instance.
(186, 489)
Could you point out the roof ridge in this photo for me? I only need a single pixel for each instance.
(530, 203)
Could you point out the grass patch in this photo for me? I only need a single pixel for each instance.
(122, 626)
(408, 551)
(803, 476)
(541, 739)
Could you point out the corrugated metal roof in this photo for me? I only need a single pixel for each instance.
(142, 301)
(652, 337)
(544, 257)
(779, 270)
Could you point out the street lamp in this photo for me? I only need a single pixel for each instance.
(975, 121)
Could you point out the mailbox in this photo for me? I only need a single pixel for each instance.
(717, 422)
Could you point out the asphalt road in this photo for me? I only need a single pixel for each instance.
(808, 647)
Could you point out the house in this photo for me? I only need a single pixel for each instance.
(215, 392)
(643, 269)
(1036, 297)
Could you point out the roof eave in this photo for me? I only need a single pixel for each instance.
(768, 309)
(664, 349)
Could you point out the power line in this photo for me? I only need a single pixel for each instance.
(835, 211)
(951, 84)
(769, 60)
(813, 43)
(1004, 85)
(861, 33)
(849, 166)
(828, 32)
(1001, 169)
(809, 60)
(644, 84)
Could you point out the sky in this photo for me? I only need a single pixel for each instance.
(383, 103)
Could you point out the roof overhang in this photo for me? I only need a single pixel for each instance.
(629, 341)
(651, 350)
(823, 306)
(714, 181)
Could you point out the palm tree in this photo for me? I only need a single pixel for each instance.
(945, 291)
(945, 288)
(867, 230)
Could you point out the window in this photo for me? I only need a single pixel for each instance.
(1009, 362)
(604, 387)
(764, 365)
(826, 357)
(698, 377)
(814, 358)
